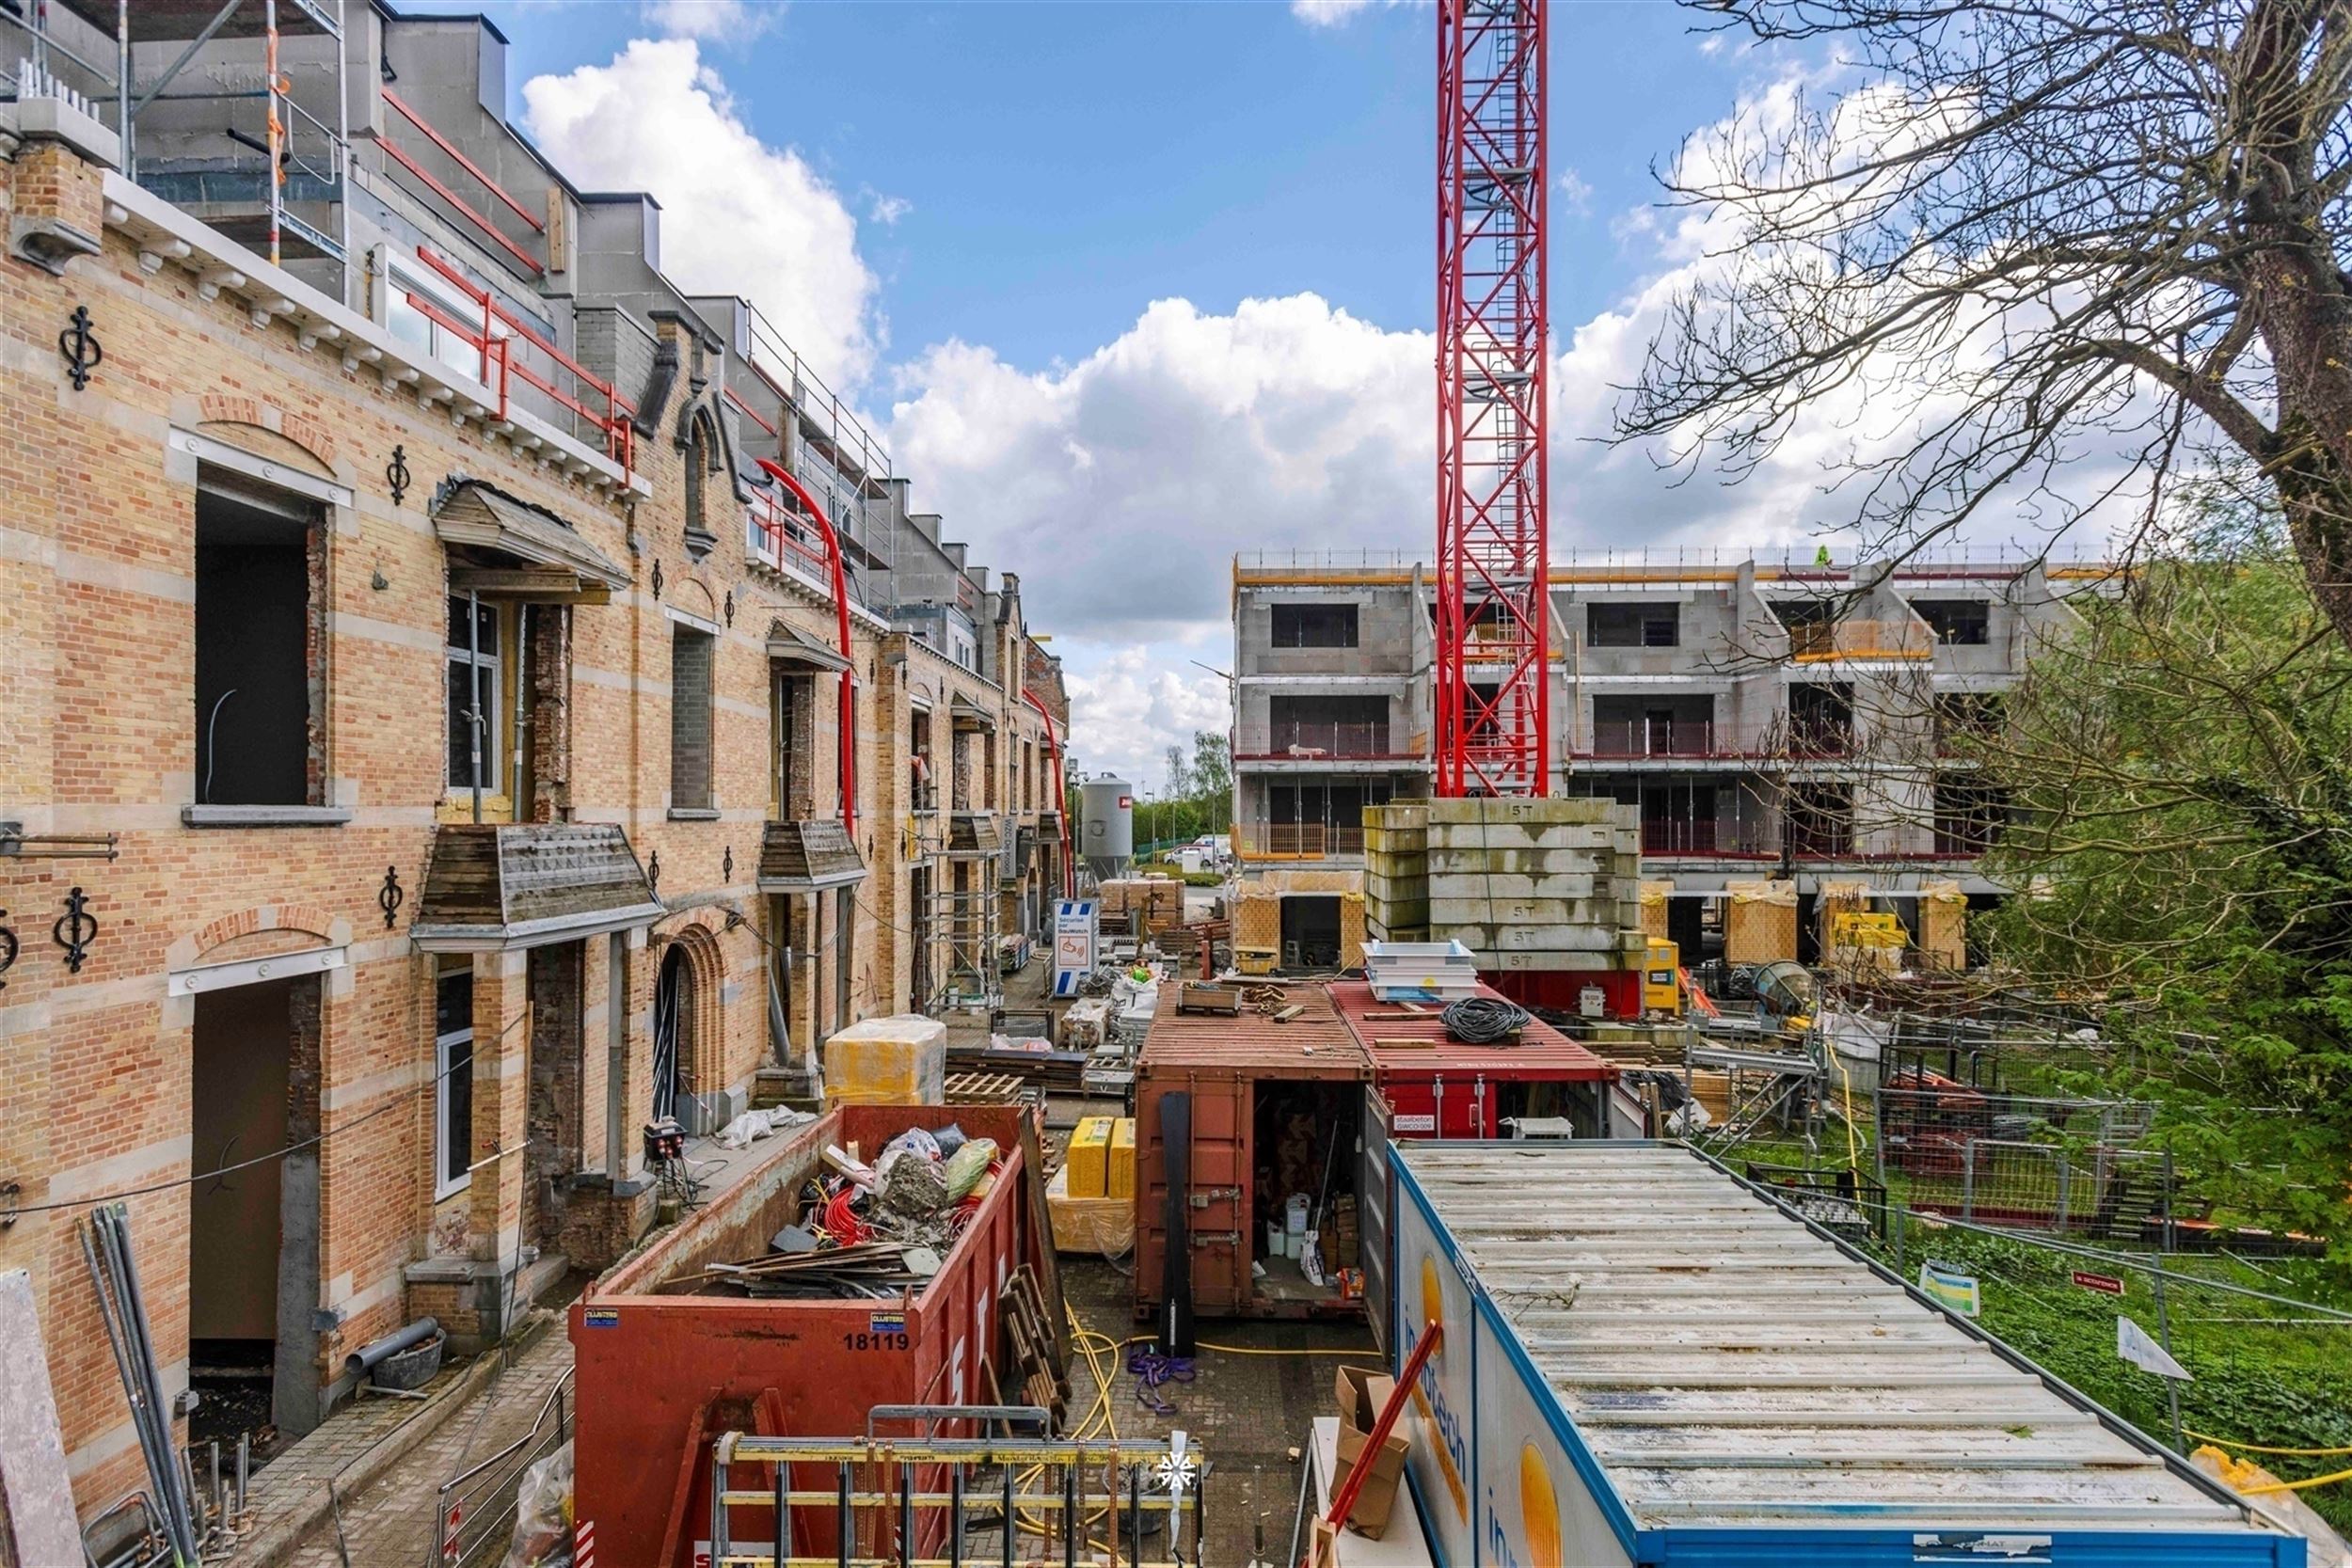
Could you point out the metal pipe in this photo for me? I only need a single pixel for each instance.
(521, 663)
(1009, 1516)
(245, 1467)
(143, 1337)
(367, 1357)
(847, 1520)
(91, 1239)
(125, 113)
(906, 1516)
(784, 1508)
(473, 684)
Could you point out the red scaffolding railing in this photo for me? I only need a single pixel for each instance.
(458, 203)
(612, 420)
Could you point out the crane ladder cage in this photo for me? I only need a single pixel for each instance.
(913, 1502)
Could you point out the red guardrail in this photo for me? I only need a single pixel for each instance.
(620, 436)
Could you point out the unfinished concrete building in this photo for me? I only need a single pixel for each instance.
(1767, 719)
(450, 720)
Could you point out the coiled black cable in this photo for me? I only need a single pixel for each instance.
(1485, 1020)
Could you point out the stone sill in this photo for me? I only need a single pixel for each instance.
(694, 814)
(264, 817)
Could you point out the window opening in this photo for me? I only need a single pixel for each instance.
(452, 1069)
(259, 654)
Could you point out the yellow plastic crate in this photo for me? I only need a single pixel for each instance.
(1122, 1180)
(1089, 1157)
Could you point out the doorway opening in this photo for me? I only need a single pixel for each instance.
(253, 1221)
(1311, 930)
(672, 1029)
(1304, 1139)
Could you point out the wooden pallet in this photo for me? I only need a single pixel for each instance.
(983, 1088)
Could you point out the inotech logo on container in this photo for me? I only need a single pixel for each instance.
(1539, 1519)
(1453, 1445)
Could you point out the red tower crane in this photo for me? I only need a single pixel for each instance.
(1492, 614)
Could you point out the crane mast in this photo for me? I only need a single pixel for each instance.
(1492, 614)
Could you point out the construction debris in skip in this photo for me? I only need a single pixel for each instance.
(865, 1230)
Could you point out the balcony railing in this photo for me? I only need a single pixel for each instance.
(1820, 641)
(1307, 740)
(1656, 737)
(1704, 835)
(1295, 841)
(779, 537)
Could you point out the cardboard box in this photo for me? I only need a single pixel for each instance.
(1089, 1158)
(1361, 1393)
(1119, 1181)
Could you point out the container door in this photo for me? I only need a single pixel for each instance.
(1217, 1206)
(1372, 1212)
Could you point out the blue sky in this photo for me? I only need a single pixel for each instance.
(1064, 165)
(1128, 288)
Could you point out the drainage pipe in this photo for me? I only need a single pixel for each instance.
(367, 1356)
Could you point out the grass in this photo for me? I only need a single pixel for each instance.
(2254, 1379)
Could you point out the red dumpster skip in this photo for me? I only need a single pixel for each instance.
(659, 1374)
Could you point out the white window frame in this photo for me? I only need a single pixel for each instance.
(402, 278)
(445, 1186)
(494, 664)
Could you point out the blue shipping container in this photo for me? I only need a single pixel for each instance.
(1645, 1362)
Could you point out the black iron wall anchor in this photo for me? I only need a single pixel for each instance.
(79, 346)
(653, 873)
(74, 930)
(8, 950)
(396, 475)
(392, 895)
(657, 579)
(729, 607)
(726, 868)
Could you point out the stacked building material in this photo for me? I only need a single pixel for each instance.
(1396, 871)
(1760, 924)
(1550, 885)
(1152, 903)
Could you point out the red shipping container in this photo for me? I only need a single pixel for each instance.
(658, 1376)
(1439, 1087)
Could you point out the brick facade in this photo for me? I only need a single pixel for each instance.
(99, 735)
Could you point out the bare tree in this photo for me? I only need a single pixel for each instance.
(2078, 229)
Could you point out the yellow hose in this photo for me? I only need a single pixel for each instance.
(2257, 1447)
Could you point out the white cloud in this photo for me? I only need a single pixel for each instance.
(737, 215)
(885, 210)
(1576, 193)
(720, 21)
(1333, 13)
(1130, 703)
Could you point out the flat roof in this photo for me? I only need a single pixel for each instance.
(1727, 1367)
(1250, 1044)
(1422, 1044)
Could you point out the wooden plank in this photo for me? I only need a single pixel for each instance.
(40, 1520)
(1041, 1237)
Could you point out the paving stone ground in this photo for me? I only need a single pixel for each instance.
(391, 1522)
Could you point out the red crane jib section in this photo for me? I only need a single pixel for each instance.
(848, 723)
(1493, 656)
(1061, 794)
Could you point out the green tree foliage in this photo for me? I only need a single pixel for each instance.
(2181, 769)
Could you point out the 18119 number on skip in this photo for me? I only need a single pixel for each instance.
(875, 1341)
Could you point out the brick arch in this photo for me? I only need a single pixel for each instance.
(702, 1045)
(332, 929)
(269, 431)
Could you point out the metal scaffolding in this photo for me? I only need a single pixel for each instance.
(306, 160)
